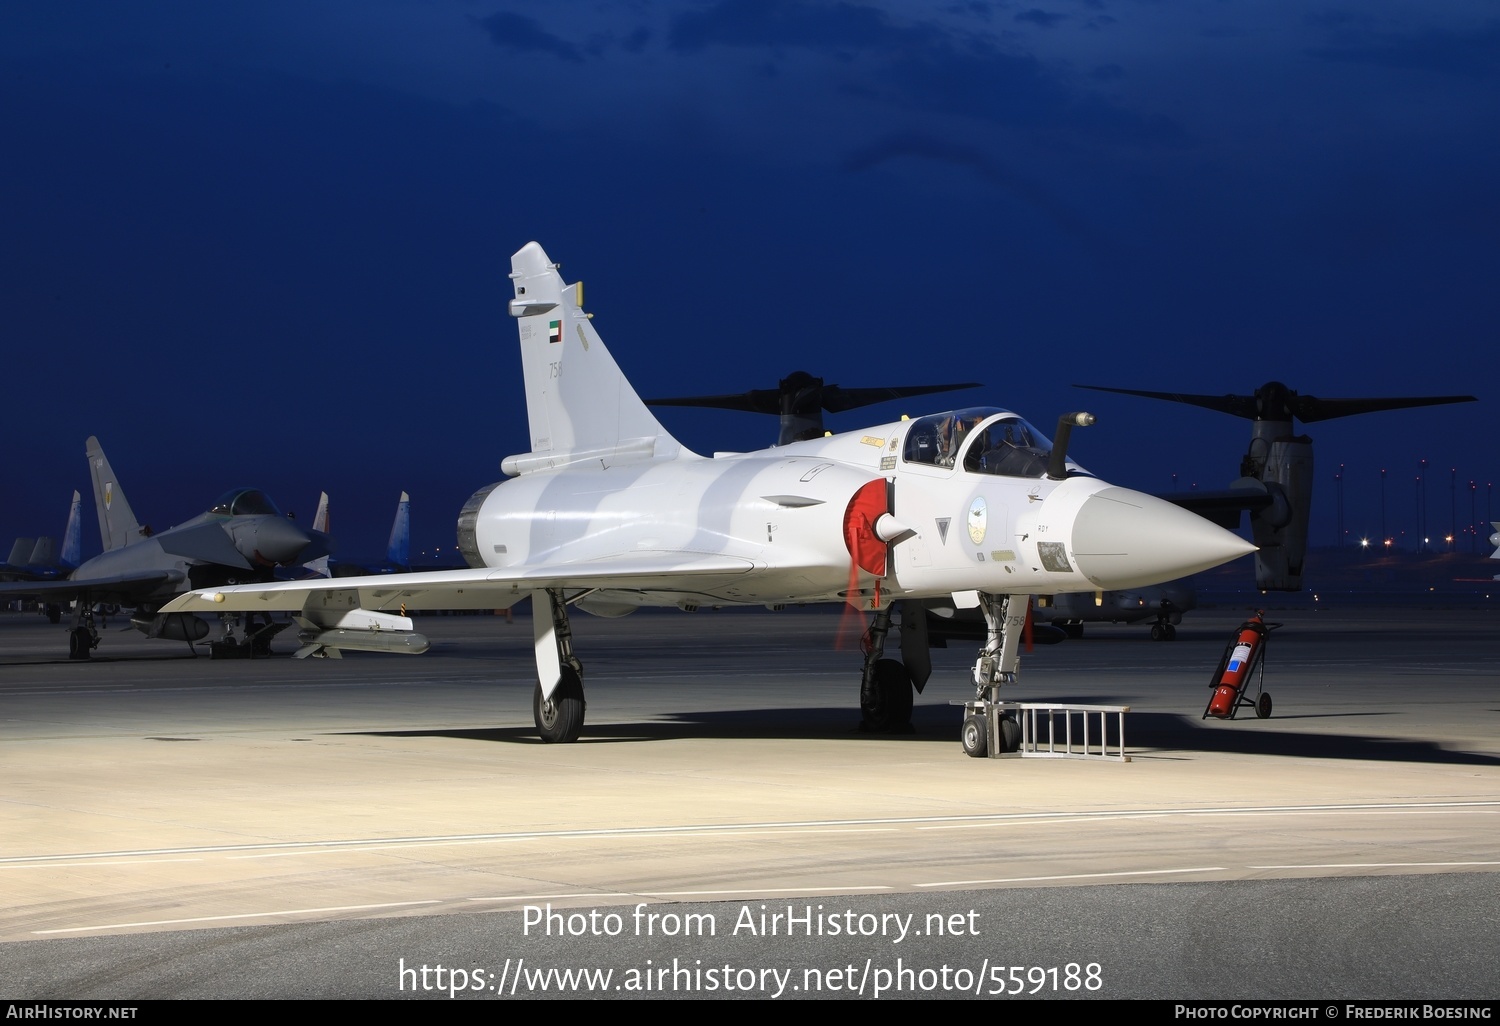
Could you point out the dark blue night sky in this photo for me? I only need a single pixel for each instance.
(267, 243)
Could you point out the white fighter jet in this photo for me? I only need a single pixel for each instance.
(606, 511)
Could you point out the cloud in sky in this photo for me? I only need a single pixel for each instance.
(523, 35)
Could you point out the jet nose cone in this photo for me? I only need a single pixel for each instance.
(278, 540)
(1126, 539)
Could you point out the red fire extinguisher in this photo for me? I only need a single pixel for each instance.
(1241, 657)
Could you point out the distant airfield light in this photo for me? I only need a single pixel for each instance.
(1364, 543)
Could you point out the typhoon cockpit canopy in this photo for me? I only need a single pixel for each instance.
(244, 502)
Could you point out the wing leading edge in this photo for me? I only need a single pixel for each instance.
(484, 588)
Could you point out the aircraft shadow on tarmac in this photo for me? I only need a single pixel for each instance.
(939, 725)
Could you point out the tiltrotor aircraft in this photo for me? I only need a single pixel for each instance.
(242, 537)
(1275, 482)
(606, 511)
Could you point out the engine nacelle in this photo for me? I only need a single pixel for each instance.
(1281, 529)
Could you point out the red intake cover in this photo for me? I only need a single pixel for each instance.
(867, 506)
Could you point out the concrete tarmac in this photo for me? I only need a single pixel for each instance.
(156, 808)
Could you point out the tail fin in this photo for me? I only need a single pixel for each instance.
(320, 518)
(398, 549)
(43, 553)
(117, 524)
(72, 543)
(20, 552)
(580, 406)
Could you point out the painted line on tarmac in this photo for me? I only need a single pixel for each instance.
(921, 822)
(90, 865)
(241, 915)
(1378, 865)
(1073, 876)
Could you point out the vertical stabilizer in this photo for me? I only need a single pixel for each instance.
(577, 400)
(398, 549)
(117, 524)
(44, 553)
(320, 518)
(20, 552)
(72, 543)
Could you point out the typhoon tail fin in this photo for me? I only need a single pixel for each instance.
(578, 402)
(398, 549)
(320, 518)
(117, 524)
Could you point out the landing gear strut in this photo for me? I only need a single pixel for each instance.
(257, 643)
(1163, 629)
(986, 730)
(82, 638)
(558, 710)
(885, 688)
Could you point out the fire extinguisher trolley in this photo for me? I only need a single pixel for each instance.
(1245, 653)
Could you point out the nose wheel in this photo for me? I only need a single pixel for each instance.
(975, 734)
(989, 732)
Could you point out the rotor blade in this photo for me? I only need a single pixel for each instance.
(837, 399)
(810, 396)
(1274, 401)
(1234, 405)
(760, 400)
(1309, 408)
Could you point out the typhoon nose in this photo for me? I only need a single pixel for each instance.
(278, 540)
(1126, 539)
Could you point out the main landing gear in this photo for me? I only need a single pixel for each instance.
(559, 715)
(1163, 629)
(257, 642)
(82, 637)
(986, 730)
(886, 685)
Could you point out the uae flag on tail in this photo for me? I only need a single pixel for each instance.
(554, 331)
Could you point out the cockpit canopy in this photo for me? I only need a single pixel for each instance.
(244, 502)
(982, 440)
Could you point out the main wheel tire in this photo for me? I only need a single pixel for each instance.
(1157, 633)
(887, 709)
(559, 719)
(1010, 734)
(1170, 632)
(976, 745)
(1263, 706)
